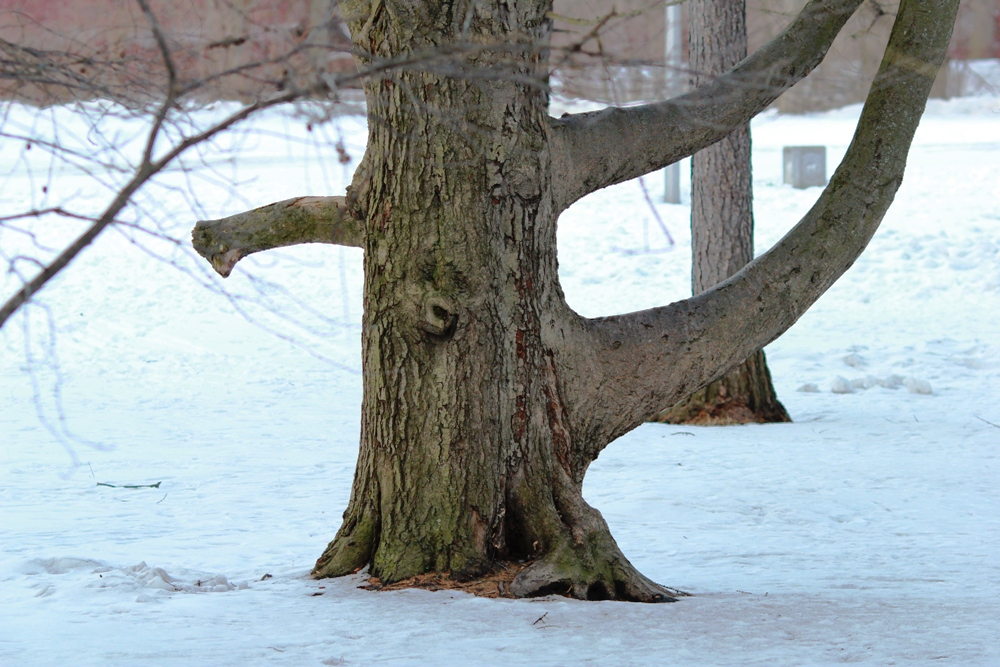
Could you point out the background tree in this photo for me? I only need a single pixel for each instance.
(722, 223)
(485, 396)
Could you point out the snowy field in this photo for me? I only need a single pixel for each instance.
(866, 532)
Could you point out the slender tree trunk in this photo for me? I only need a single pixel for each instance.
(722, 224)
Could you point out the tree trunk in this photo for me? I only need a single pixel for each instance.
(722, 224)
(466, 458)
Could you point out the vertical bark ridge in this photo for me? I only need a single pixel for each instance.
(458, 397)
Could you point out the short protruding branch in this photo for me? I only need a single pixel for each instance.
(597, 149)
(225, 241)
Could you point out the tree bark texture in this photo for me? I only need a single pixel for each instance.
(485, 396)
(466, 453)
(722, 223)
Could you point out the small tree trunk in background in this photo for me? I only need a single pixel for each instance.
(722, 224)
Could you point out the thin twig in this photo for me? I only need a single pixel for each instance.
(131, 486)
(986, 422)
(36, 213)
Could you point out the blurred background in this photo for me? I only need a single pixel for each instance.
(622, 50)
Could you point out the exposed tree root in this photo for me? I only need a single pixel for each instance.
(349, 552)
(583, 574)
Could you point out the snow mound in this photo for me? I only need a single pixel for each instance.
(915, 386)
(58, 565)
(136, 578)
(841, 385)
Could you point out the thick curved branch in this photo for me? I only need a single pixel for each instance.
(594, 150)
(226, 241)
(644, 361)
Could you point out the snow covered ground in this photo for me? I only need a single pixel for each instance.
(867, 532)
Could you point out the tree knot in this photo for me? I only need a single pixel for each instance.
(439, 316)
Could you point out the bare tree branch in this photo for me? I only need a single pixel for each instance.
(638, 363)
(593, 150)
(225, 241)
(146, 171)
(161, 43)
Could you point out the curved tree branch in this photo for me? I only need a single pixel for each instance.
(226, 241)
(597, 149)
(635, 364)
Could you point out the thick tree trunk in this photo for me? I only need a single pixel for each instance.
(466, 456)
(722, 224)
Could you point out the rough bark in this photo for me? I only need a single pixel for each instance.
(722, 224)
(485, 396)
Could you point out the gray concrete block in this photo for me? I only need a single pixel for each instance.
(805, 166)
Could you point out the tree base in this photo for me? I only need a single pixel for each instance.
(745, 396)
(493, 585)
(580, 560)
(539, 578)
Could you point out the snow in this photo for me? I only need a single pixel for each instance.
(866, 532)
